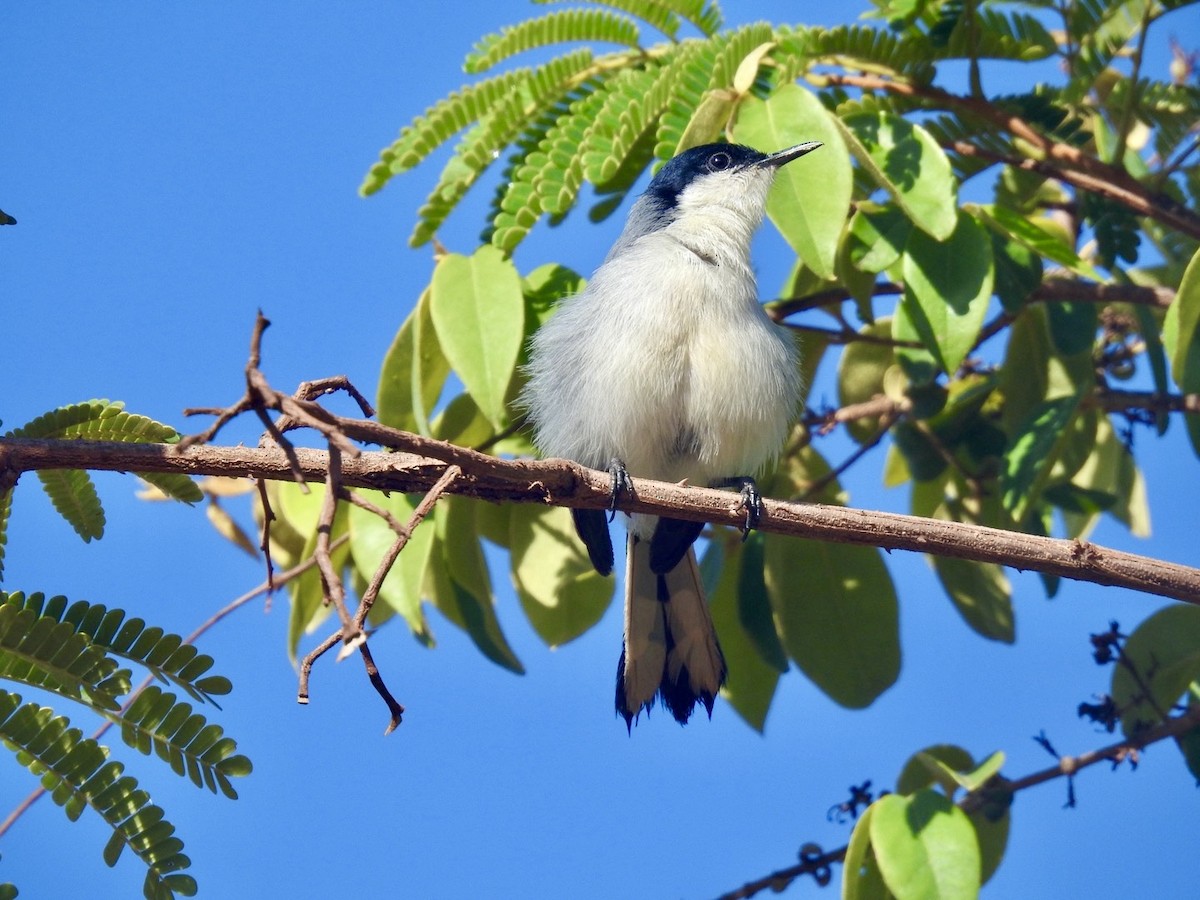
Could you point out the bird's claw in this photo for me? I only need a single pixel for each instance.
(752, 503)
(620, 484)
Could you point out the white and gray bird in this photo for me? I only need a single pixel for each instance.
(666, 367)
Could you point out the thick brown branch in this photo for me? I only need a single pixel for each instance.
(564, 483)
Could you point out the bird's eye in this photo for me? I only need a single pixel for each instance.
(719, 162)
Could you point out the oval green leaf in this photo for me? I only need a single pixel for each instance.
(947, 288)
(925, 847)
(1165, 652)
(414, 371)
(459, 583)
(860, 374)
(479, 313)
(836, 612)
(560, 591)
(1033, 452)
(981, 594)
(751, 683)
(811, 196)
(907, 162)
(1181, 337)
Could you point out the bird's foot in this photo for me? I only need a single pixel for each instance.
(620, 484)
(751, 501)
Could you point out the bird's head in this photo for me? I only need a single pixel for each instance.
(719, 177)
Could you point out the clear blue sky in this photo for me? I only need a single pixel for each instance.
(176, 166)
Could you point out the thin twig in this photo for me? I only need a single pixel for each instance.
(355, 628)
(1067, 767)
(886, 422)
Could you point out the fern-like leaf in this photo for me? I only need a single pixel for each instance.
(696, 64)
(77, 774)
(74, 497)
(498, 128)
(908, 56)
(704, 14)
(157, 722)
(554, 28)
(72, 491)
(517, 205)
(649, 12)
(97, 420)
(633, 103)
(1172, 110)
(948, 128)
(6, 495)
(164, 655)
(1051, 112)
(43, 652)
(998, 35)
(562, 174)
(736, 47)
(438, 124)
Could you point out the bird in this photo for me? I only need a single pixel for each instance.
(666, 366)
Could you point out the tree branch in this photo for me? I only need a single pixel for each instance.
(1067, 767)
(1059, 160)
(421, 461)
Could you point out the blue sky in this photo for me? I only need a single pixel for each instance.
(174, 168)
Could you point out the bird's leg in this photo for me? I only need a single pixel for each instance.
(620, 484)
(751, 500)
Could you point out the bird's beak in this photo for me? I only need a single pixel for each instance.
(775, 160)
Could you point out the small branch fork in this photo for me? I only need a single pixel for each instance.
(301, 411)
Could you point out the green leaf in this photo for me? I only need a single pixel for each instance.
(925, 847)
(1110, 471)
(934, 765)
(751, 683)
(1018, 271)
(77, 773)
(1181, 337)
(836, 612)
(880, 236)
(1164, 651)
(947, 288)
(1155, 354)
(861, 879)
(906, 161)
(414, 371)
(860, 375)
(164, 654)
(981, 594)
(479, 313)
(811, 196)
(74, 497)
(1039, 235)
(370, 540)
(951, 768)
(560, 591)
(554, 28)
(306, 593)
(458, 581)
(1072, 326)
(1034, 450)
(754, 605)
